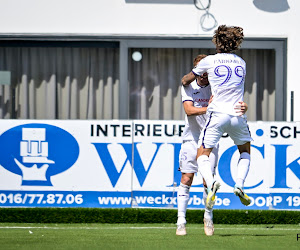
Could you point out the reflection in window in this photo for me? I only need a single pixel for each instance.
(155, 82)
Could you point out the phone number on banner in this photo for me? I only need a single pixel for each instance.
(40, 199)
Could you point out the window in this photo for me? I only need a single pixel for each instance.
(126, 78)
(60, 80)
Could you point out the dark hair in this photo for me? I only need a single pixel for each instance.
(228, 38)
(198, 59)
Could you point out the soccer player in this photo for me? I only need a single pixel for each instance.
(195, 98)
(226, 74)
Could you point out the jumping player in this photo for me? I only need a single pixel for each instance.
(226, 74)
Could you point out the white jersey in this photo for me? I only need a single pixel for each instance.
(226, 75)
(199, 95)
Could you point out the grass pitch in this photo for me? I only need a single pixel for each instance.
(146, 236)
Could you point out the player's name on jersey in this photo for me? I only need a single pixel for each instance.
(236, 61)
(136, 129)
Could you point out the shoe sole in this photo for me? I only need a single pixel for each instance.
(210, 200)
(180, 232)
(208, 234)
(243, 197)
(207, 231)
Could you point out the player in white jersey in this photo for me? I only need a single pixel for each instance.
(195, 98)
(226, 74)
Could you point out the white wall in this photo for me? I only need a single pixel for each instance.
(158, 17)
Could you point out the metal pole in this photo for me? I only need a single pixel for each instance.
(292, 106)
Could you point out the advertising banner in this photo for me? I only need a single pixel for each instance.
(134, 163)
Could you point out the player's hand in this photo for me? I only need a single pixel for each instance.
(241, 108)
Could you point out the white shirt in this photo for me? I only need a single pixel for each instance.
(226, 75)
(199, 95)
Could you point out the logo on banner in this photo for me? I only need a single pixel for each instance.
(37, 151)
(139, 168)
(224, 169)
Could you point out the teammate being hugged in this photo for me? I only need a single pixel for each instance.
(195, 98)
(226, 74)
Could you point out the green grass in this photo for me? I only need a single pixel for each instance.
(146, 236)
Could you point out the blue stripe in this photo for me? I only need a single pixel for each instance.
(205, 129)
(249, 130)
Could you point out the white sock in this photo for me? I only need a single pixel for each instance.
(183, 196)
(243, 169)
(205, 169)
(213, 158)
(208, 212)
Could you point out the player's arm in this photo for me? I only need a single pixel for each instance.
(191, 110)
(188, 78)
(198, 70)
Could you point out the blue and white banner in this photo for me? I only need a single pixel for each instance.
(134, 163)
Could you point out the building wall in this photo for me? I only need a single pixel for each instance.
(259, 18)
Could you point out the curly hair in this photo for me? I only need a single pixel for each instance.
(228, 38)
(198, 59)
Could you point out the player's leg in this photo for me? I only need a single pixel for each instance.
(205, 168)
(183, 196)
(204, 164)
(209, 138)
(242, 172)
(241, 136)
(208, 212)
(188, 167)
(213, 159)
(243, 164)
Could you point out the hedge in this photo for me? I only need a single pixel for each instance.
(143, 215)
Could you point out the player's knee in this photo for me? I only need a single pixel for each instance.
(245, 155)
(245, 148)
(186, 180)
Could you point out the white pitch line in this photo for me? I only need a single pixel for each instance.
(118, 228)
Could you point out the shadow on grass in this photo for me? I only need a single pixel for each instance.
(256, 235)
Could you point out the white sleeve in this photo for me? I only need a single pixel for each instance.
(187, 93)
(201, 67)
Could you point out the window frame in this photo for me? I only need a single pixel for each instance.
(126, 42)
